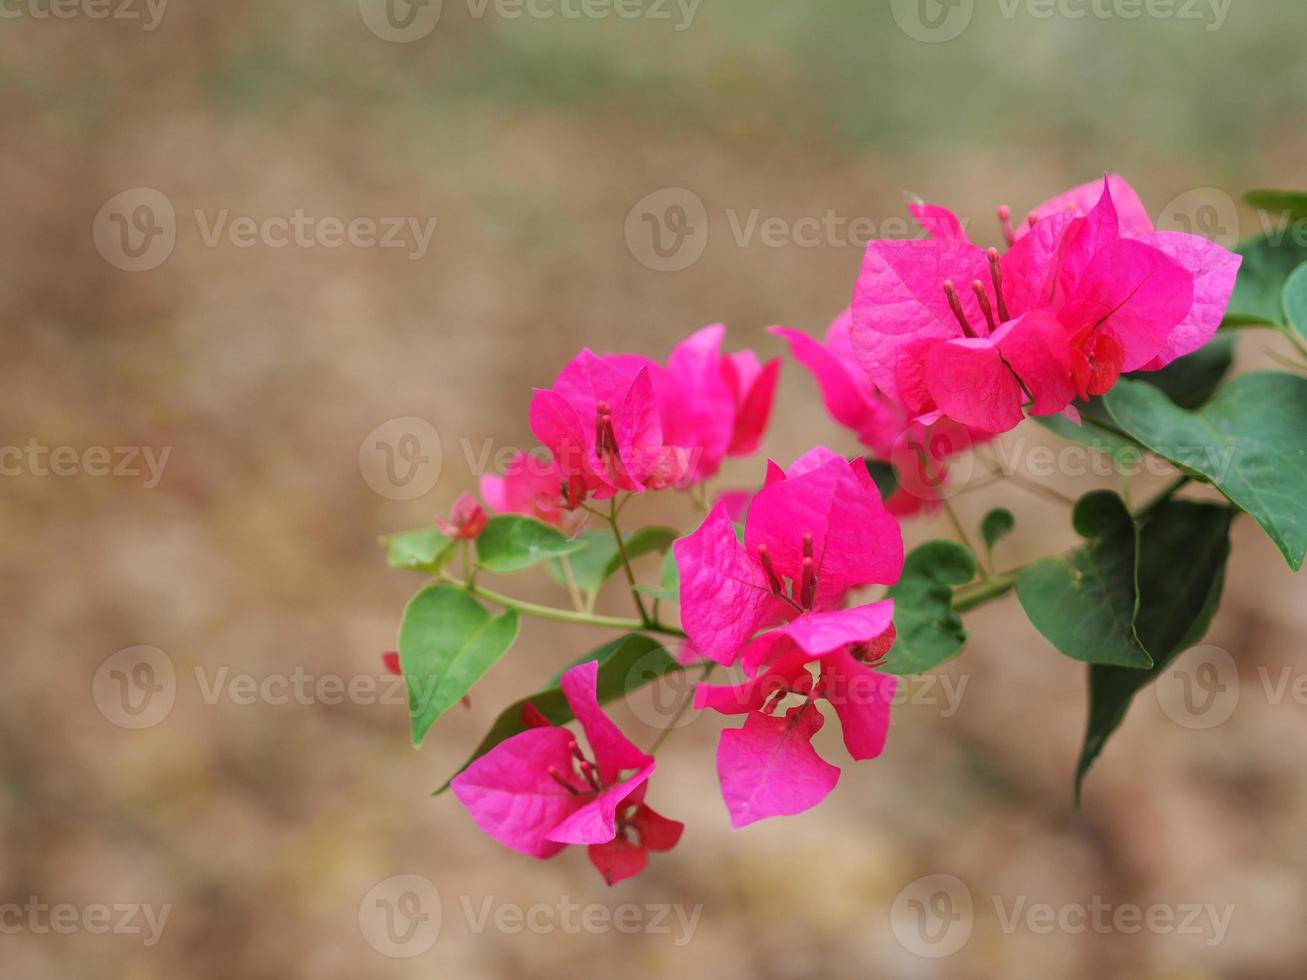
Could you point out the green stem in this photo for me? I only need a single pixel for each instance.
(708, 668)
(971, 596)
(626, 565)
(563, 615)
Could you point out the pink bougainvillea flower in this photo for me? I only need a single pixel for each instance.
(601, 422)
(810, 537)
(918, 452)
(714, 405)
(537, 791)
(466, 521)
(769, 767)
(1087, 292)
(535, 487)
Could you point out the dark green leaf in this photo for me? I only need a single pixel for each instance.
(883, 475)
(1267, 263)
(510, 543)
(447, 641)
(1085, 603)
(1295, 300)
(1183, 547)
(1192, 380)
(1250, 441)
(1290, 205)
(625, 665)
(1091, 432)
(599, 560)
(426, 550)
(929, 631)
(998, 523)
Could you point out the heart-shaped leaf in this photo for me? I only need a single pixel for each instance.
(447, 641)
(998, 524)
(1183, 547)
(1250, 441)
(425, 550)
(1085, 603)
(625, 665)
(929, 631)
(511, 542)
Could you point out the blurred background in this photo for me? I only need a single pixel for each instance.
(563, 174)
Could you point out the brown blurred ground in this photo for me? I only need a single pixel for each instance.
(265, 826)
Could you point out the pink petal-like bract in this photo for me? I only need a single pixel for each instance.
(769, 768)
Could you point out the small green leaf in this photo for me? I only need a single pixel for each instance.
(625, 665)
(447, 641)
(426, 550)
(1250, 441)
(1295, 300)
(1085, 603)
(1183, 547)
(511, 542)
(998, 523)
(929, 631)
(1267, 263)
(669, 587)
(1291, 205)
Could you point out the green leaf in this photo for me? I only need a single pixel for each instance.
(1292, 205)
(1085, 603)
(998, 523)
(1192, 380)
(1250, 441)
(426, 550)
(1183, 547)
(447, 641)
(599, 560)
(625, 665)
(1295, 300)
(1267, 264)
(1189, 381)
(511, 542)
(929, 631)
(883, 475)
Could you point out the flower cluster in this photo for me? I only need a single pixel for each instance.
(945, 345)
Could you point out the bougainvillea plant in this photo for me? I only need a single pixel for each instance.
(797, 592)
